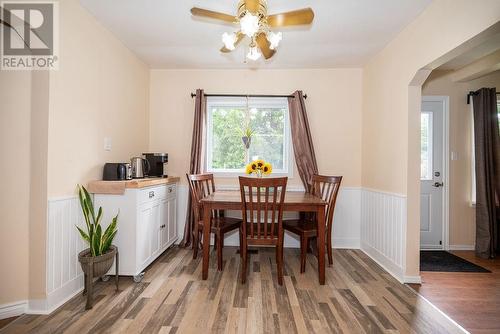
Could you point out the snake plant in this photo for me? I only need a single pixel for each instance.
(98, 241)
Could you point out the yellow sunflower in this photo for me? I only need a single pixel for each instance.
(249, 169)
(267, 169)
(260, 163)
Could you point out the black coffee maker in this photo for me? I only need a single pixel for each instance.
(158, 163)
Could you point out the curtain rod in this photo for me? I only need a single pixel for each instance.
(472, 93)
(242, 95)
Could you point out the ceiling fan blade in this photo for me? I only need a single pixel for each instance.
(294, 18)
(213, 15)
(252, 5)
(264, 46)
(239, 37)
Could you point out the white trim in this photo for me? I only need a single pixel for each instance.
(446, 168)
(383, 261)
(444, 315)
(13, 309)
(244, 103)
(383, 192)
(462, 247)
(412, 279)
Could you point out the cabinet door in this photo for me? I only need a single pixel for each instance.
(164, 223)
(143, 234)
(172, 219)
(154, 229)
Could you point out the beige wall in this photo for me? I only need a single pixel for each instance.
(333, 105)
(15, 115)
(390, 119)
(462, 214)
(100, 90)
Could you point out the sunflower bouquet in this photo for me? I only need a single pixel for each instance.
(259, 168)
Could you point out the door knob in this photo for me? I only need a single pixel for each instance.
(438, 184)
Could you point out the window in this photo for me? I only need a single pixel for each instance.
(230, 117)
(426, 146)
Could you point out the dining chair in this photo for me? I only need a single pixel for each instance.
(262, 210)
(200, 186)
(326, 187)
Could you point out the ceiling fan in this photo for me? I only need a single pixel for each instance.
(256, 24)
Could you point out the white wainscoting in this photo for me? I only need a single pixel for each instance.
(383, 230)
(64, 277)
(346, 226)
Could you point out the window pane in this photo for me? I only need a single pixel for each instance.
(268, 138)
(426, 146)
(227, 148)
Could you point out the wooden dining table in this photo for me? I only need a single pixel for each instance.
(294, 201)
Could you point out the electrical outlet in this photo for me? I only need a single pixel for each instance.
(107, 144)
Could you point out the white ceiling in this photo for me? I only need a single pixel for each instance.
(345, 33)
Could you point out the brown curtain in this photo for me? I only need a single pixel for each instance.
(195, 166)
(487, 151)
(303, 147)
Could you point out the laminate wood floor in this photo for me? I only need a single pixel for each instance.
(471, 299)
(359, 297)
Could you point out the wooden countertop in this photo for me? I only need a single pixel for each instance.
(118, 187)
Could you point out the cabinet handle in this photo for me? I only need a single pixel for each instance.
(151, 194)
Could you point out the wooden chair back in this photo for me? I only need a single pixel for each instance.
(327, 188)
(200, 186)
(262, 208)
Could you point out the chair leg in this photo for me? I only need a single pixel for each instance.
(279, 263)
(220, 240)
(241, 243)
(329, 250)
(244, 262)
(303, 253)
(215, 241)
(196, 240)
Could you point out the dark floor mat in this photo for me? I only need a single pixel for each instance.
(447, 262)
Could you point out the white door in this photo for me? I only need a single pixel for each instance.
(432, 173)
(164, 223)
(172, 220)
(154, 229)
(144, 224)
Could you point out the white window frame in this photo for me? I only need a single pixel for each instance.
(241, 102)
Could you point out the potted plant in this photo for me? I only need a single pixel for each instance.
(247, 136)
(98, 258)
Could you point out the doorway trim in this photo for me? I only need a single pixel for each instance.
(446, 163)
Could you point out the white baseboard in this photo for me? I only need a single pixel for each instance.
(383, 261)
(13, 309)
(462, 247)
(412, 279)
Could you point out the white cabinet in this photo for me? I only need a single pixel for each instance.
(147, 224)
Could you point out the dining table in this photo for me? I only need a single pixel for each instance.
(295, 201)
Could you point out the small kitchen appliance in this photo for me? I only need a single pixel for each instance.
(158, 163)
(115, 171)
(140, 167)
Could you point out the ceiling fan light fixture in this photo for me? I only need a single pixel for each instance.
(254, 53)
(229, 40)
(249, 24)
(274, 39)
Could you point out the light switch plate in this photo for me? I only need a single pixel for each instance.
(107, 144)
(454, 156)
